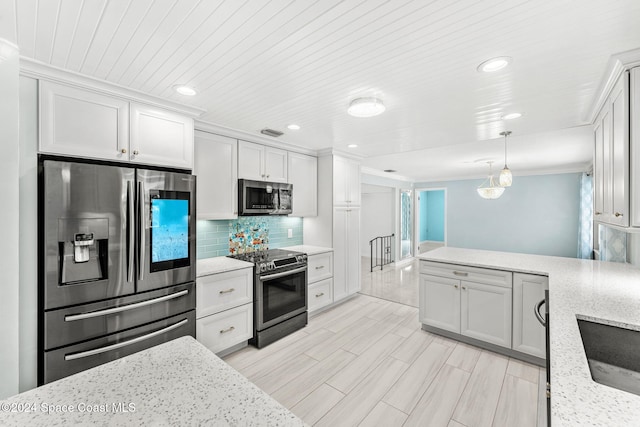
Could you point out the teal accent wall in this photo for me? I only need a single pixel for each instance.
(431, 215)
(212, 237)
(536, 215)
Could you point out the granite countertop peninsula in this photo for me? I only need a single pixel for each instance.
(176, 383)
(308, 249)
(220, 264)
(600, 290)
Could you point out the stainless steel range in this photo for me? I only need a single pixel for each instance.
(280, 293)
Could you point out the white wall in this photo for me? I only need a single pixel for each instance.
(377, 217)
(9, 218)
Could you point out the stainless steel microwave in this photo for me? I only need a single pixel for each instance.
(264, 198)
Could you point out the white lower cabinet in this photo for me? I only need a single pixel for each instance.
(224, 309)
(528, 333)
(320, 294)
(440, 302)
(320, 279)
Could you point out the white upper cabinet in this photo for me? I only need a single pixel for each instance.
(303, 174)
(261, 163)
(77, 122)
(216, 165)
(161, 137)
(346, 181)
(84, 123)
(635, 146)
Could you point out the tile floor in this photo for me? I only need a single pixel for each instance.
(393, 283)
(367, 362)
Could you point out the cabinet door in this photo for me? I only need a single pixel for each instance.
(160, 137)
(620, 153)
(340, 254)
(353, 183)
(320, 294)
(598, 173)
(275, 165)
(303, 174)
(353, 250)
(440, 302)
(320, 267)
(250, 161)
(486, 313)
(216, 165)
(222, 291)
(226, 329)
(528, 333)
(607, 189)
(76, 122)
(340, 177)
(634, 147)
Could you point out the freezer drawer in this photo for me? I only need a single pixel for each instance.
(82, 322)
(69, 360)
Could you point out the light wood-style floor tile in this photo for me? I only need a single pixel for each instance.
(542, 398)
(249, 355)
(517, 405)
(361, 400)
(435, 407)
(271, 380)
(384, 415)
(464, 356)
(478, 402)
(413, 346)
(322, 350)
(454, 423)
(317, 404)
(360, 344)
(416, 380)
(523, 370)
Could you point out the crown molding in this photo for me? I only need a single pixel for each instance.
(618, 64)
(333, 152)
(41, 71)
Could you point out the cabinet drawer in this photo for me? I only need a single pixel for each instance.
(472, 274)
(222, 291)
(223, 330)
(320, 267)
(320, 294)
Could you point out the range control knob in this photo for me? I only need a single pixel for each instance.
(271, 265)
(262, 267)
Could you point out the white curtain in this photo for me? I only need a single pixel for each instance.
(585, 226)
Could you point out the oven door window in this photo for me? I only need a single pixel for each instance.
(170, 224)
(283, 295)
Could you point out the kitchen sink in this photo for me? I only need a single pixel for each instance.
(613, 354)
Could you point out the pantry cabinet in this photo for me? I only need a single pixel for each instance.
(216, 166)
(84, 123)
(303, 175)
(346, 182)
(346, 240)
(261, 163)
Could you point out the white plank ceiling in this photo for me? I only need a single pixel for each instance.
(258, 63)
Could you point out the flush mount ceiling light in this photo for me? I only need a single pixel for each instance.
(352, 146)
(366, 107)
(511, 116)
(184, 90)
(506, 178)
(494, 64)
(489, 189)
(293, 127)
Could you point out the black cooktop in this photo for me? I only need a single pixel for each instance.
(265, 256)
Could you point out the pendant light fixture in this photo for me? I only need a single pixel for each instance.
(506, 178)
(490, 189)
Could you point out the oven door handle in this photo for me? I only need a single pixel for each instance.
(104, 349)
(81, 316)
(284, 273)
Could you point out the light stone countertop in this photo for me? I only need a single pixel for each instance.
(176, 383)
(601, 290)
(308, 249)
(220, 264)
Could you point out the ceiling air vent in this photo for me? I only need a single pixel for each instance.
(271, 132)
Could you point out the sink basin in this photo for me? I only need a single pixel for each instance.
(613, 354)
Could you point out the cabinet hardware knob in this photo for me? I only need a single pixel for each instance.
(598, 213)
(135, 152)
(229, 329)
(123, 151)
(319, 295)
(455, 286)
(227, 291)
(464, 288)
(618, 214)
(268, 176)
(319, 267)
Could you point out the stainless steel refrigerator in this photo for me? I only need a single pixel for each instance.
(117, 262)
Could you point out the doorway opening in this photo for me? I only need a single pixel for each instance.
(406, 229)
(431, 227)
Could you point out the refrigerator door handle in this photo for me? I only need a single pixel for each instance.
(104, 349)
(130, 230)
(143, 230)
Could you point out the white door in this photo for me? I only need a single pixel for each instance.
(303, 175)
(160, 137)
(353, 250)
(440, 302)
(216, 165)
(251, 161)
(486, 313)
(528, 333)
(275, 165)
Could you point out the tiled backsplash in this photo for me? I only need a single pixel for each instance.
(217, 238)
(612, 243)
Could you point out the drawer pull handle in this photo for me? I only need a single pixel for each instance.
(319, 295)
(229, 329)
(320, 267)
(227, 291)
(460, 273)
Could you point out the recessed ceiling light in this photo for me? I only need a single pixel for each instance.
(352, 146)
(511, 116)
(184, 90)
(366, 107)
(494, 64)
(293, 127)
(390, 170)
